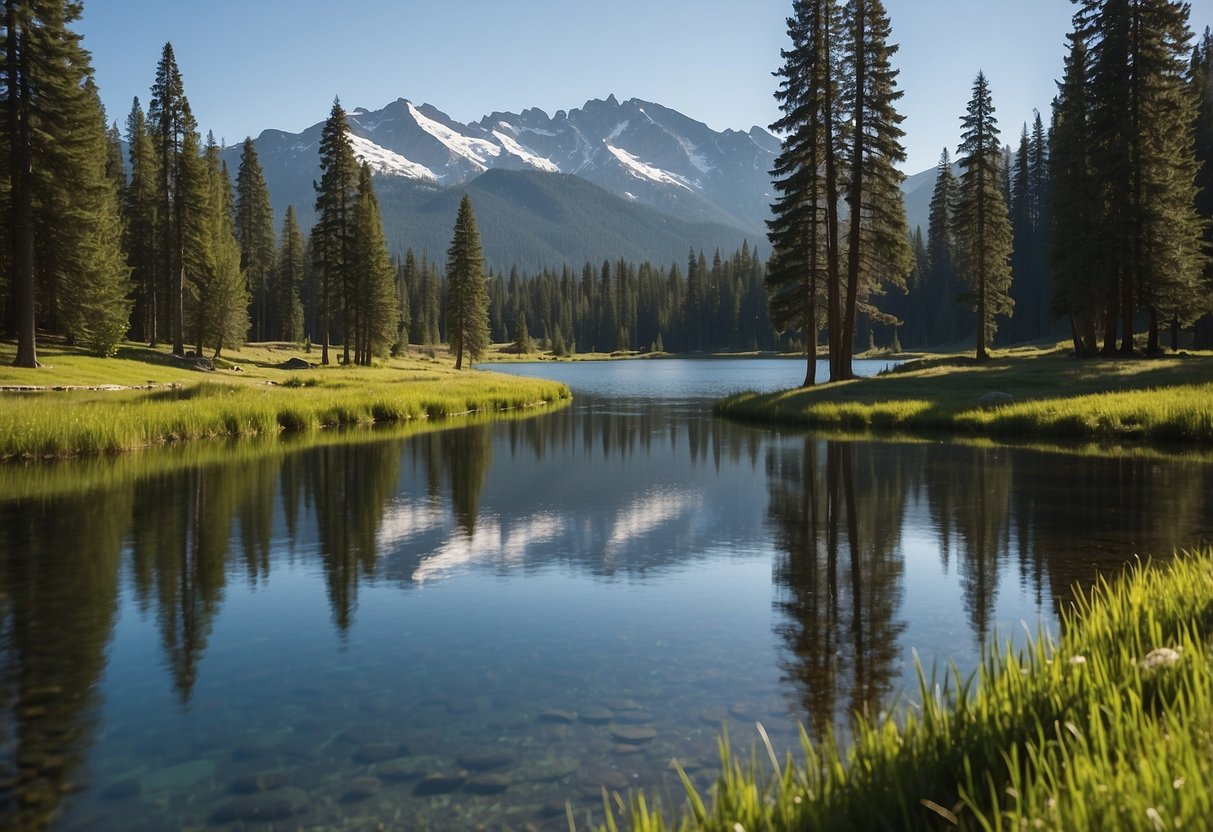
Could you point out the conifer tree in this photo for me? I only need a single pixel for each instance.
(174, 127)
(141, 207)
(404, 310)
(285, 308)
(522, 337)
(1201, 82)
(219, 291)
(941, 283)
(1141, 117)
(804, 228)
(375, 309)
(255, 232)
(983, 227)
(50, 144)
(92, 264)
(333, 235)
(878, 248)
(467, 300)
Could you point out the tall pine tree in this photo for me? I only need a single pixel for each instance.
(376, 313)
(467, 311)
(983, 227)
(285, 308)
(255, 233)
(333, 235)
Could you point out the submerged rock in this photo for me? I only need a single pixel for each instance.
(549, 771)
(487, 758)
(264, 781)
(398, 770)
(489, 783)
(714, 715)
(279, 804)
(380, 752)
(633, 734)
(557, 716)
(596, 716)
(360, 788)
(433, 784)
(178, 777)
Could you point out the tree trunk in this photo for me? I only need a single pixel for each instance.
(833, 304)
(1111, 315)
(1152, 341)
(1174, 333)
(20, 174)
(856, 196)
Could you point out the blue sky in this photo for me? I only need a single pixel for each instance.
(258, 64)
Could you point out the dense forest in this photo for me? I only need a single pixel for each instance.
(1095, 227)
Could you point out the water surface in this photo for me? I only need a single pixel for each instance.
(476, 626)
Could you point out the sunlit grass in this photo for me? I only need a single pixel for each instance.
(258, 400)
(1110, 728)
(1165, 399)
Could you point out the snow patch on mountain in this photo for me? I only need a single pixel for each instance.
(514, 148)
(640, 170)
(478, 151)
(384, 161)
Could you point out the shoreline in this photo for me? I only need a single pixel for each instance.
(1166, 399)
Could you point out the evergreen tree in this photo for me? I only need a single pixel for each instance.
(803, 231)
(285, 308)
(219, 288)
(174, 127)
(522, 338)
(878, 248)
(983, 227)
(255, 233)
(95, 276)
(941, 284)
(1081, 288)
(50, 140)
(1141, 117)
(333, 236)
(373, 295)
(1201, 81)
(141, 207)
(467, 301)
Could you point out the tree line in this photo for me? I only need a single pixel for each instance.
(1099, 224)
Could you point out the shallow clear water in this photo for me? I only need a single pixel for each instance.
(476, 626)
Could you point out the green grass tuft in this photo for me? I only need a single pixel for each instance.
(1108, 728)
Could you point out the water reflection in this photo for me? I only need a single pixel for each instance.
(618, 538)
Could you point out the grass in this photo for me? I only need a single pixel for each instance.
(1056, 396)
(1110, 727)
(256, 400)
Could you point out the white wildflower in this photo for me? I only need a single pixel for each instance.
(1160, 657)
(1177, 784)
(1078, 660)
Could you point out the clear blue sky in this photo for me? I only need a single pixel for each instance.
(257, 64)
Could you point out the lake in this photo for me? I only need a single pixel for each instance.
(479, 625)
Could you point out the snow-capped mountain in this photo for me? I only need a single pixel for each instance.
(638, 150)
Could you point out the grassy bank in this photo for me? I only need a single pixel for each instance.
(1055, 396)
(258, 399)
(1111, 727)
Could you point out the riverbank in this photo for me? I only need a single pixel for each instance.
(145, 397)
(1052, 395)
(1108, 728)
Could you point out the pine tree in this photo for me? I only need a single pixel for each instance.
(255, 232)
(878, 248)
(174, 127)
(467, 301)
(941, 285)
(375, 310)
(333, 236)
(219, 289)
(1081, 289)
(804, 229)
(1141, 117)
(286, 311)
(983, 227)
(96, 278)
(141, 208)
(522, 337)
(1201, 82)
(50, 144)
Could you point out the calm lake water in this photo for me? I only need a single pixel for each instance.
(474, 627)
